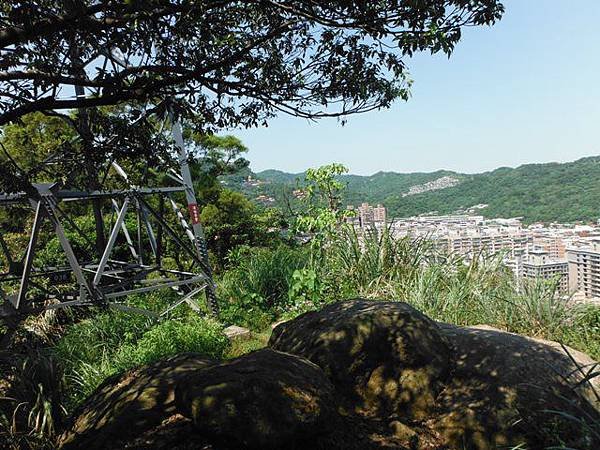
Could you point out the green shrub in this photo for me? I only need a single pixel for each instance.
(112, 341)
(245, 312)
(256, 288)
(196, 335)
(305, 286)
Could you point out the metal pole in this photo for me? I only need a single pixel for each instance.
(199, 241)
(140, 250)
(149, 230)
(37, 222)
(126, 233)
(183, 222)
(47, 200)
(111, 242)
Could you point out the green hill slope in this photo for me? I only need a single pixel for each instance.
(537, 192)
(564, 192)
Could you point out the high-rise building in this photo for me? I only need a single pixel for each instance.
(365, 214)
(584, 267)
(380, 214)
(476, 241)
(554, 245)
(539, 264)
(371, 216)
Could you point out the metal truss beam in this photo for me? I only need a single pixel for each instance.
(104, 282)
(96, 278)
(67, 195)
(111, 242)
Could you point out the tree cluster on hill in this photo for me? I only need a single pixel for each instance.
(566, 192)
(552, 192)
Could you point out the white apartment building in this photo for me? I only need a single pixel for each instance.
(553, 245)
(380, 214)
(369, 216)
(584, 267)
(488, 242)
(570, 252)
(365, 215)
(466, 234)
(454, 219)
(540, 264)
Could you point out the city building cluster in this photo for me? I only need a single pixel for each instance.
(251, 182)
(568, 253)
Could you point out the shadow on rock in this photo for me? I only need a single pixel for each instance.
(507, 390)
(266, 399)
(471, 388)
(383, 357)
(126, 406)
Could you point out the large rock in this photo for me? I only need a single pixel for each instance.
(383, 357)
(126, 406)
(504, 385)
(470, 388)
(266, 399)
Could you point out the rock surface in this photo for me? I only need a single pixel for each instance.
(383, 357)
(502, 386)
(476, 387)
(235, 332)
(126, 406)
(382, 375)
(266, 399)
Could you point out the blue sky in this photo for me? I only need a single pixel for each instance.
(526, 90)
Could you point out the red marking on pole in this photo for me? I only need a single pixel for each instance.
(194, 213)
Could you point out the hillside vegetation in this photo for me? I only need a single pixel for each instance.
(565, 192)
(62, 357)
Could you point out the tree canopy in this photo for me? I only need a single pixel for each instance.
(230, 63)
(104, 66)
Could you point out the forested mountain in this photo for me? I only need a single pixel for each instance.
(564, 192)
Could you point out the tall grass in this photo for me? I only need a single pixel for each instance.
(255, 289)
(367, 265)
(32, 408)
(450, 288)
(114, 341)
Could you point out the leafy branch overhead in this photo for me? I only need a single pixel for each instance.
(231, 63)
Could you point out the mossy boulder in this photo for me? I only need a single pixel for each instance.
(508, 390)
(265, 399)
(383, 357)
(357, 375)
(126, 406)
(468, 387)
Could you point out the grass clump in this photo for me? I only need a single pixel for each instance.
(195, 335)
(239, 347)
(254, 291)
(114, 341)
(32, 406)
